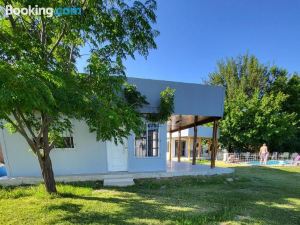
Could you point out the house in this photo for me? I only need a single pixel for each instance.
(194, 105)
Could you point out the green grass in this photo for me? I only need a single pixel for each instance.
(256, 195)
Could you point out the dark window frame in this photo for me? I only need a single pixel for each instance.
(147, 146)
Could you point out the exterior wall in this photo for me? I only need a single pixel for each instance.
(148, 164)
(88, 157)
(190, 99)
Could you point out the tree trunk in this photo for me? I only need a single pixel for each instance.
(194, 145)
(47, 172)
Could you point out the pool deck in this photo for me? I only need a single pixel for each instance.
(174, 169)
(270, 163)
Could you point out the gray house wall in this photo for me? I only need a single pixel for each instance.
(88, 156)
(146, 164)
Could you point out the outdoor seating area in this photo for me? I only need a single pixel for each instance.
(288, 158)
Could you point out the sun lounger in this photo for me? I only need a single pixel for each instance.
(284, 156)
(296, 160)
(233, 159)
(274, 156)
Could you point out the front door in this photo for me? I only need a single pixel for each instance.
(117, 156)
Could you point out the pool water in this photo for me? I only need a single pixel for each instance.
(3, 171)
(270, 163)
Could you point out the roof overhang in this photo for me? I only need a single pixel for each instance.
(194, 104)
(181, 122)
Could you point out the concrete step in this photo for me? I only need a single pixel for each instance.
(117, 176)
(118, 182)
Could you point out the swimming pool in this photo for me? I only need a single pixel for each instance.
(270, 163)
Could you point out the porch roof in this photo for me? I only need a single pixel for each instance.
(194, 104)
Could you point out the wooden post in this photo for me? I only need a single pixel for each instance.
(194, 145)
(198, 153)
(209, 146)
(170, 145)
(214, 145)
(189, 148)
(179, 146)
(200, 148)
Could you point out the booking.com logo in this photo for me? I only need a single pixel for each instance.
(37, 11)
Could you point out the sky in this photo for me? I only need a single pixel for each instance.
(195, 34)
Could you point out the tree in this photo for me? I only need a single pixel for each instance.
(251, 121)
(290, 86)
(255, 105)
(41, 91)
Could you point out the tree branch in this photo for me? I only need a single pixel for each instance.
(43, 31)
(12, 122)
(27, 124)
(51, 146)
(70, 58)
(22, 131)
(45, 123)
(10, 18)
(59, 39)
(26, 28)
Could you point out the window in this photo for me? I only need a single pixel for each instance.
(147, 145)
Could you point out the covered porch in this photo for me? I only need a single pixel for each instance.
(194, 105)
(178, 123)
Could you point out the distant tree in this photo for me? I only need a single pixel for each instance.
(41, 91)
(255, 105)
(290, 86)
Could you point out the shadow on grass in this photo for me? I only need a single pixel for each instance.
(133, 210)
(254, 195)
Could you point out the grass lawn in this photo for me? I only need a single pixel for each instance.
(253, 195)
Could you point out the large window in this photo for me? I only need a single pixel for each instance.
(147, 145)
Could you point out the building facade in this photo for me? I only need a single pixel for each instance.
(83, 154)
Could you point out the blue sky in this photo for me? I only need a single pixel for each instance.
(195, 34)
